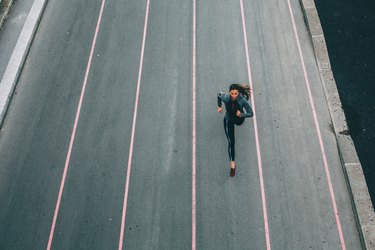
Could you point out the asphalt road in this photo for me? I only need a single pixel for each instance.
(230, 214)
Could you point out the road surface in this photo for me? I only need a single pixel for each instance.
(112, 139)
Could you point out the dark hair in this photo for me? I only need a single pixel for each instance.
(244, 89)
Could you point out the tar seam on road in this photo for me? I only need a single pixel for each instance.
(75, 128)
(126, 193)
(322, 149)
(194, 143)
(260, 167)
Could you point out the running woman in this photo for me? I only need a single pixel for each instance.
(235, 103)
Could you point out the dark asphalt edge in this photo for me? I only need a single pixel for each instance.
(15, 65)
(360, 197)
(5, 6)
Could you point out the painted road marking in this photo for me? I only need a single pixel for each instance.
(322, 149)
(260, 167)
(66, 167)
(194, 142)
(126, 193)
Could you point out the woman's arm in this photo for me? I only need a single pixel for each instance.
(219, 99)
(219, 102)
(249, 110)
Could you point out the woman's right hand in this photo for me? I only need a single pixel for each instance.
(219, 110)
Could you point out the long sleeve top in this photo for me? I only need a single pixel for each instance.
(233, 105)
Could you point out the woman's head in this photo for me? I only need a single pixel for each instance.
(236, 89)
(233, 93)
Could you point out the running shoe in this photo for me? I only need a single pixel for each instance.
(232, 172)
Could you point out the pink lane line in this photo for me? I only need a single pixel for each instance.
(260, 168)
(194, 142)
(126, 193)
(66, 167)
(333, 199)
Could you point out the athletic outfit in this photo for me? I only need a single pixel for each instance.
(230, 119)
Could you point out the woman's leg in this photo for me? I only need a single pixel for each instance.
(229, 132)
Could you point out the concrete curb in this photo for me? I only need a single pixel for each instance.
(10, 78)
(355, 178)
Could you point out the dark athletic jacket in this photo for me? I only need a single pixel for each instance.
(233, 105)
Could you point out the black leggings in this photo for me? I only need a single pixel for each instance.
(229, 132)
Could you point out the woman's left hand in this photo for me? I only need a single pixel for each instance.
(238, 113)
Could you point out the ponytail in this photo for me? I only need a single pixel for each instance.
(244, 89)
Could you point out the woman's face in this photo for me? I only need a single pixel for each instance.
(233, 94)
